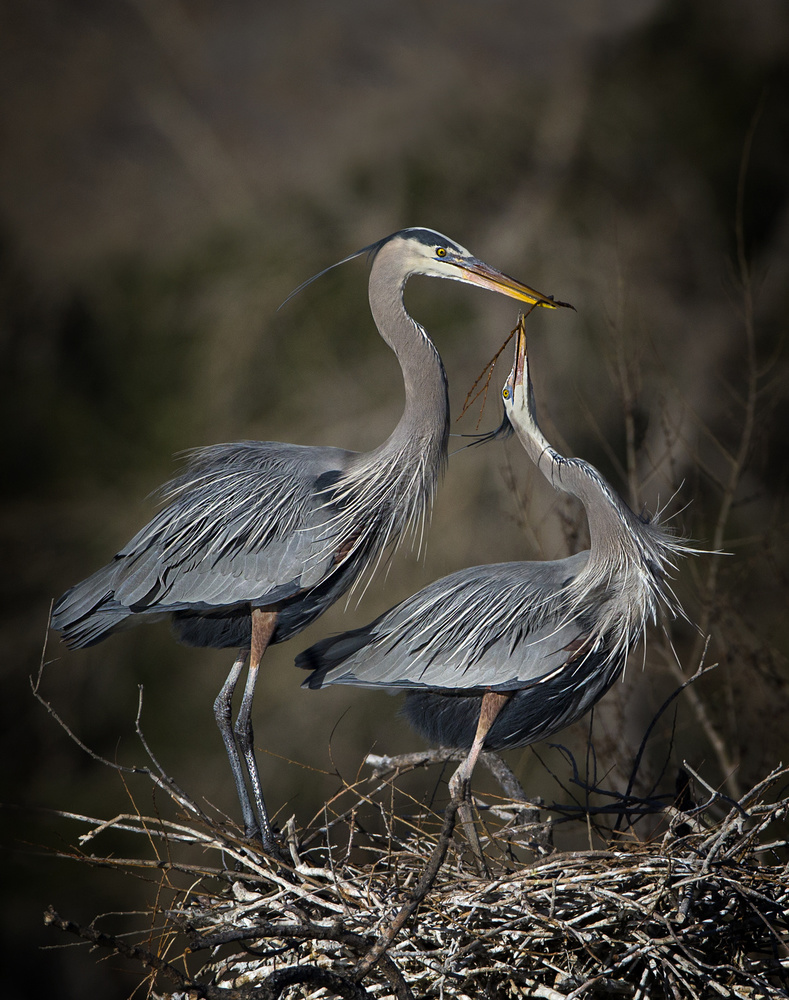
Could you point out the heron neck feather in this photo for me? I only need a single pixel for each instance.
(425, 420)
(630, 560)
(389, 491)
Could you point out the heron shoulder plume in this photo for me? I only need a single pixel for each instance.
(249, 489)
(386, 496)
(632, 560)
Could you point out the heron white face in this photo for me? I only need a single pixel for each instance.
(430, 253)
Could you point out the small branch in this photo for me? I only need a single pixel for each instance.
(148, 958)
(383, 765)
(509, 784)
(433, 866)
(307, 930)
(700, 672)
(164, 780)
(471, 396)
(281, 979)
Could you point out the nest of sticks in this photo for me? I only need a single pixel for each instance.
(380, 897)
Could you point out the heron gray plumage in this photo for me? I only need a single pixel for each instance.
(256, 539)
(500, 656)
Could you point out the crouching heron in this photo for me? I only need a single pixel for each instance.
(500, 656)
(257, 539)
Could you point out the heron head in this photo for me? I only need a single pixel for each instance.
(425, 251)
(515, 393)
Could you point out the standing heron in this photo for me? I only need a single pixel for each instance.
(501, 656)
(257, 539)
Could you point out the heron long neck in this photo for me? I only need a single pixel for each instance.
(425, 419)
(393, 485)
(625, 577)
(605, 511)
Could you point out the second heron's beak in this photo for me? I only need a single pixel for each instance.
(519, 364)
(515, 379)
(476, 272)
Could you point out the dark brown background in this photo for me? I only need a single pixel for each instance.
(169, 171)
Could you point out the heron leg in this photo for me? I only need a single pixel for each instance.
(263, 624)
(224, 719)
(460, 782)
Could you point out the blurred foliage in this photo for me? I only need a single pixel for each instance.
(173, 171)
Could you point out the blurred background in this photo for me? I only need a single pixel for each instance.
(170, 171)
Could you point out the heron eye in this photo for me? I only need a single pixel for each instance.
(441, 251)
(505, 393)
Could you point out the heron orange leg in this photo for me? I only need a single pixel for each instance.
(460, 783)
(263, 625)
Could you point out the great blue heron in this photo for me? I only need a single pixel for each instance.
(257, 539)
(500, 656)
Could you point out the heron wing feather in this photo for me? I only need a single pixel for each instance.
(240, 523)
(489, 626)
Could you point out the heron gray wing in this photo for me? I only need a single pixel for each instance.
(500, 626)
(245, 522)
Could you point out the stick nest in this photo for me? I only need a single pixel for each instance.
(380, 897)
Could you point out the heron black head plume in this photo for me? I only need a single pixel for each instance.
(370, 250)
(419, 234)
(503, 431)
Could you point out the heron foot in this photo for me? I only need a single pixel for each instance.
(270, 846)
(460, 790)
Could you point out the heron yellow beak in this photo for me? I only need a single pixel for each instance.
(476, 272)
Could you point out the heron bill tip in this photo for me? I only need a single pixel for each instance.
(476, 272)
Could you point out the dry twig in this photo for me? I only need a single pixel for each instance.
(402, 914)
